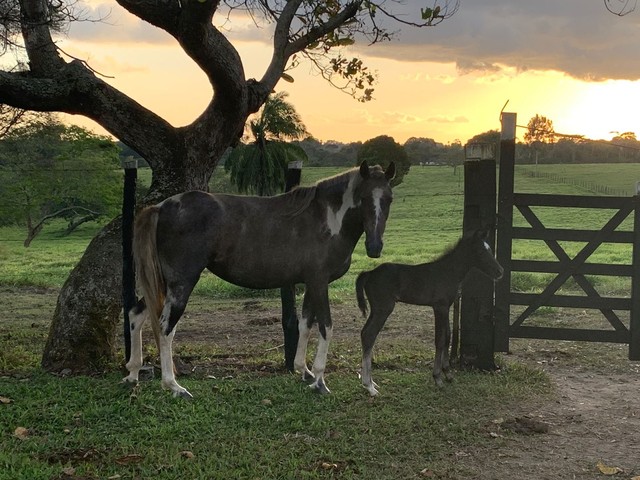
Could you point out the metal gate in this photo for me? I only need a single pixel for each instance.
(564, 266)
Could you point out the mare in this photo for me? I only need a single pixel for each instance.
(305, 236)
(434, 284)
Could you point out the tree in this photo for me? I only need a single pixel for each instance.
(259, 167)
(84, 323)
(383, 150)
(539, 132)
(421, 151)
(49, 170)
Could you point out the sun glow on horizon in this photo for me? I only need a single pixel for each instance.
(411, 99)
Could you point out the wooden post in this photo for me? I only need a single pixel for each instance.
(288, 294)
(504, 231)
(128, 271)
(476, 319)
(634, 322)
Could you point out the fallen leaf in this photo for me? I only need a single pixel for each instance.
(69, 471)
(637, 477)
(328, 466)
(21, 433)
(5, 400)
(425, 472)
(114, 477)
(186, 454)
(606, 470)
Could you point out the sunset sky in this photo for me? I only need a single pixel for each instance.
(571, 61)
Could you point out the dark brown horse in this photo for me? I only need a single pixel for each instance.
(303, 236)
(434, 284)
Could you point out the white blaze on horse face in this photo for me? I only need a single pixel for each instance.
(486, 245)
(377, 195)
(334, 219)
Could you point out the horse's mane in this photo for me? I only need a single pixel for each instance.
(299, 199)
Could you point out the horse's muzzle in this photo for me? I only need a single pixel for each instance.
(374, 249)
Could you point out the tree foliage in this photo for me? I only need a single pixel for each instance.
(181, 158)
(539, 130)
(383, 150)
(260, 166)
(49, 170)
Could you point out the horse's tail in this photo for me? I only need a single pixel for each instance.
(145, 255)
(361, 281)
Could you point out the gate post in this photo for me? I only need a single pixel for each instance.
(476, 312)
(129, 300)
(634, 322)
(288, 294)
(505, 229)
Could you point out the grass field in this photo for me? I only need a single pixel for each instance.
(426, 218)
(250, 420)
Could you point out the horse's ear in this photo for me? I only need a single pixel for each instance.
(390, 172)
(364, 169)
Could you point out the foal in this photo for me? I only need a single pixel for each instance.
(434, 284)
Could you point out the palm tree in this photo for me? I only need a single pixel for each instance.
(259, 167)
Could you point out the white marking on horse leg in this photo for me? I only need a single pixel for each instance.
(136, 321)
(166, 356)
(300, 361)
(367, 381)
(320, 361)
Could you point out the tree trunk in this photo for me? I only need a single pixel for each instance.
(82, 333)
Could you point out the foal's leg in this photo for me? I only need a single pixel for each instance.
(368, 335)
(441, 315)
(138, 315)
(174, 306)
(446, 366)
(305, 323)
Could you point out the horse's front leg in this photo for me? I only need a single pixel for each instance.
(318, 295)
(138, 315)
(441, 314)
(305, 322)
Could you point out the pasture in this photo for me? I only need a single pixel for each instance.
(249, 419)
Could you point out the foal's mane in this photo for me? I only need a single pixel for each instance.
(299, 199)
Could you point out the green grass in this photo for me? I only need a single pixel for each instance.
(261, 425)
(425, 219)
(249, 427)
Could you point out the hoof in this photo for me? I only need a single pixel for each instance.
(308, 377)
(320, 387)
(183, 394)
(439, 382)
(448, 377)
(371, 389)
(129, 382)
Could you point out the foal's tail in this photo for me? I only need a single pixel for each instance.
(361, 281)
(145, 255)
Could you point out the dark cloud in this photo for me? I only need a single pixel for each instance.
(579, 38)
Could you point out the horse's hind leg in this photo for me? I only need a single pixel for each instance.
(174, 306)
(304, 328)
(138, 315)
(368, 335)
